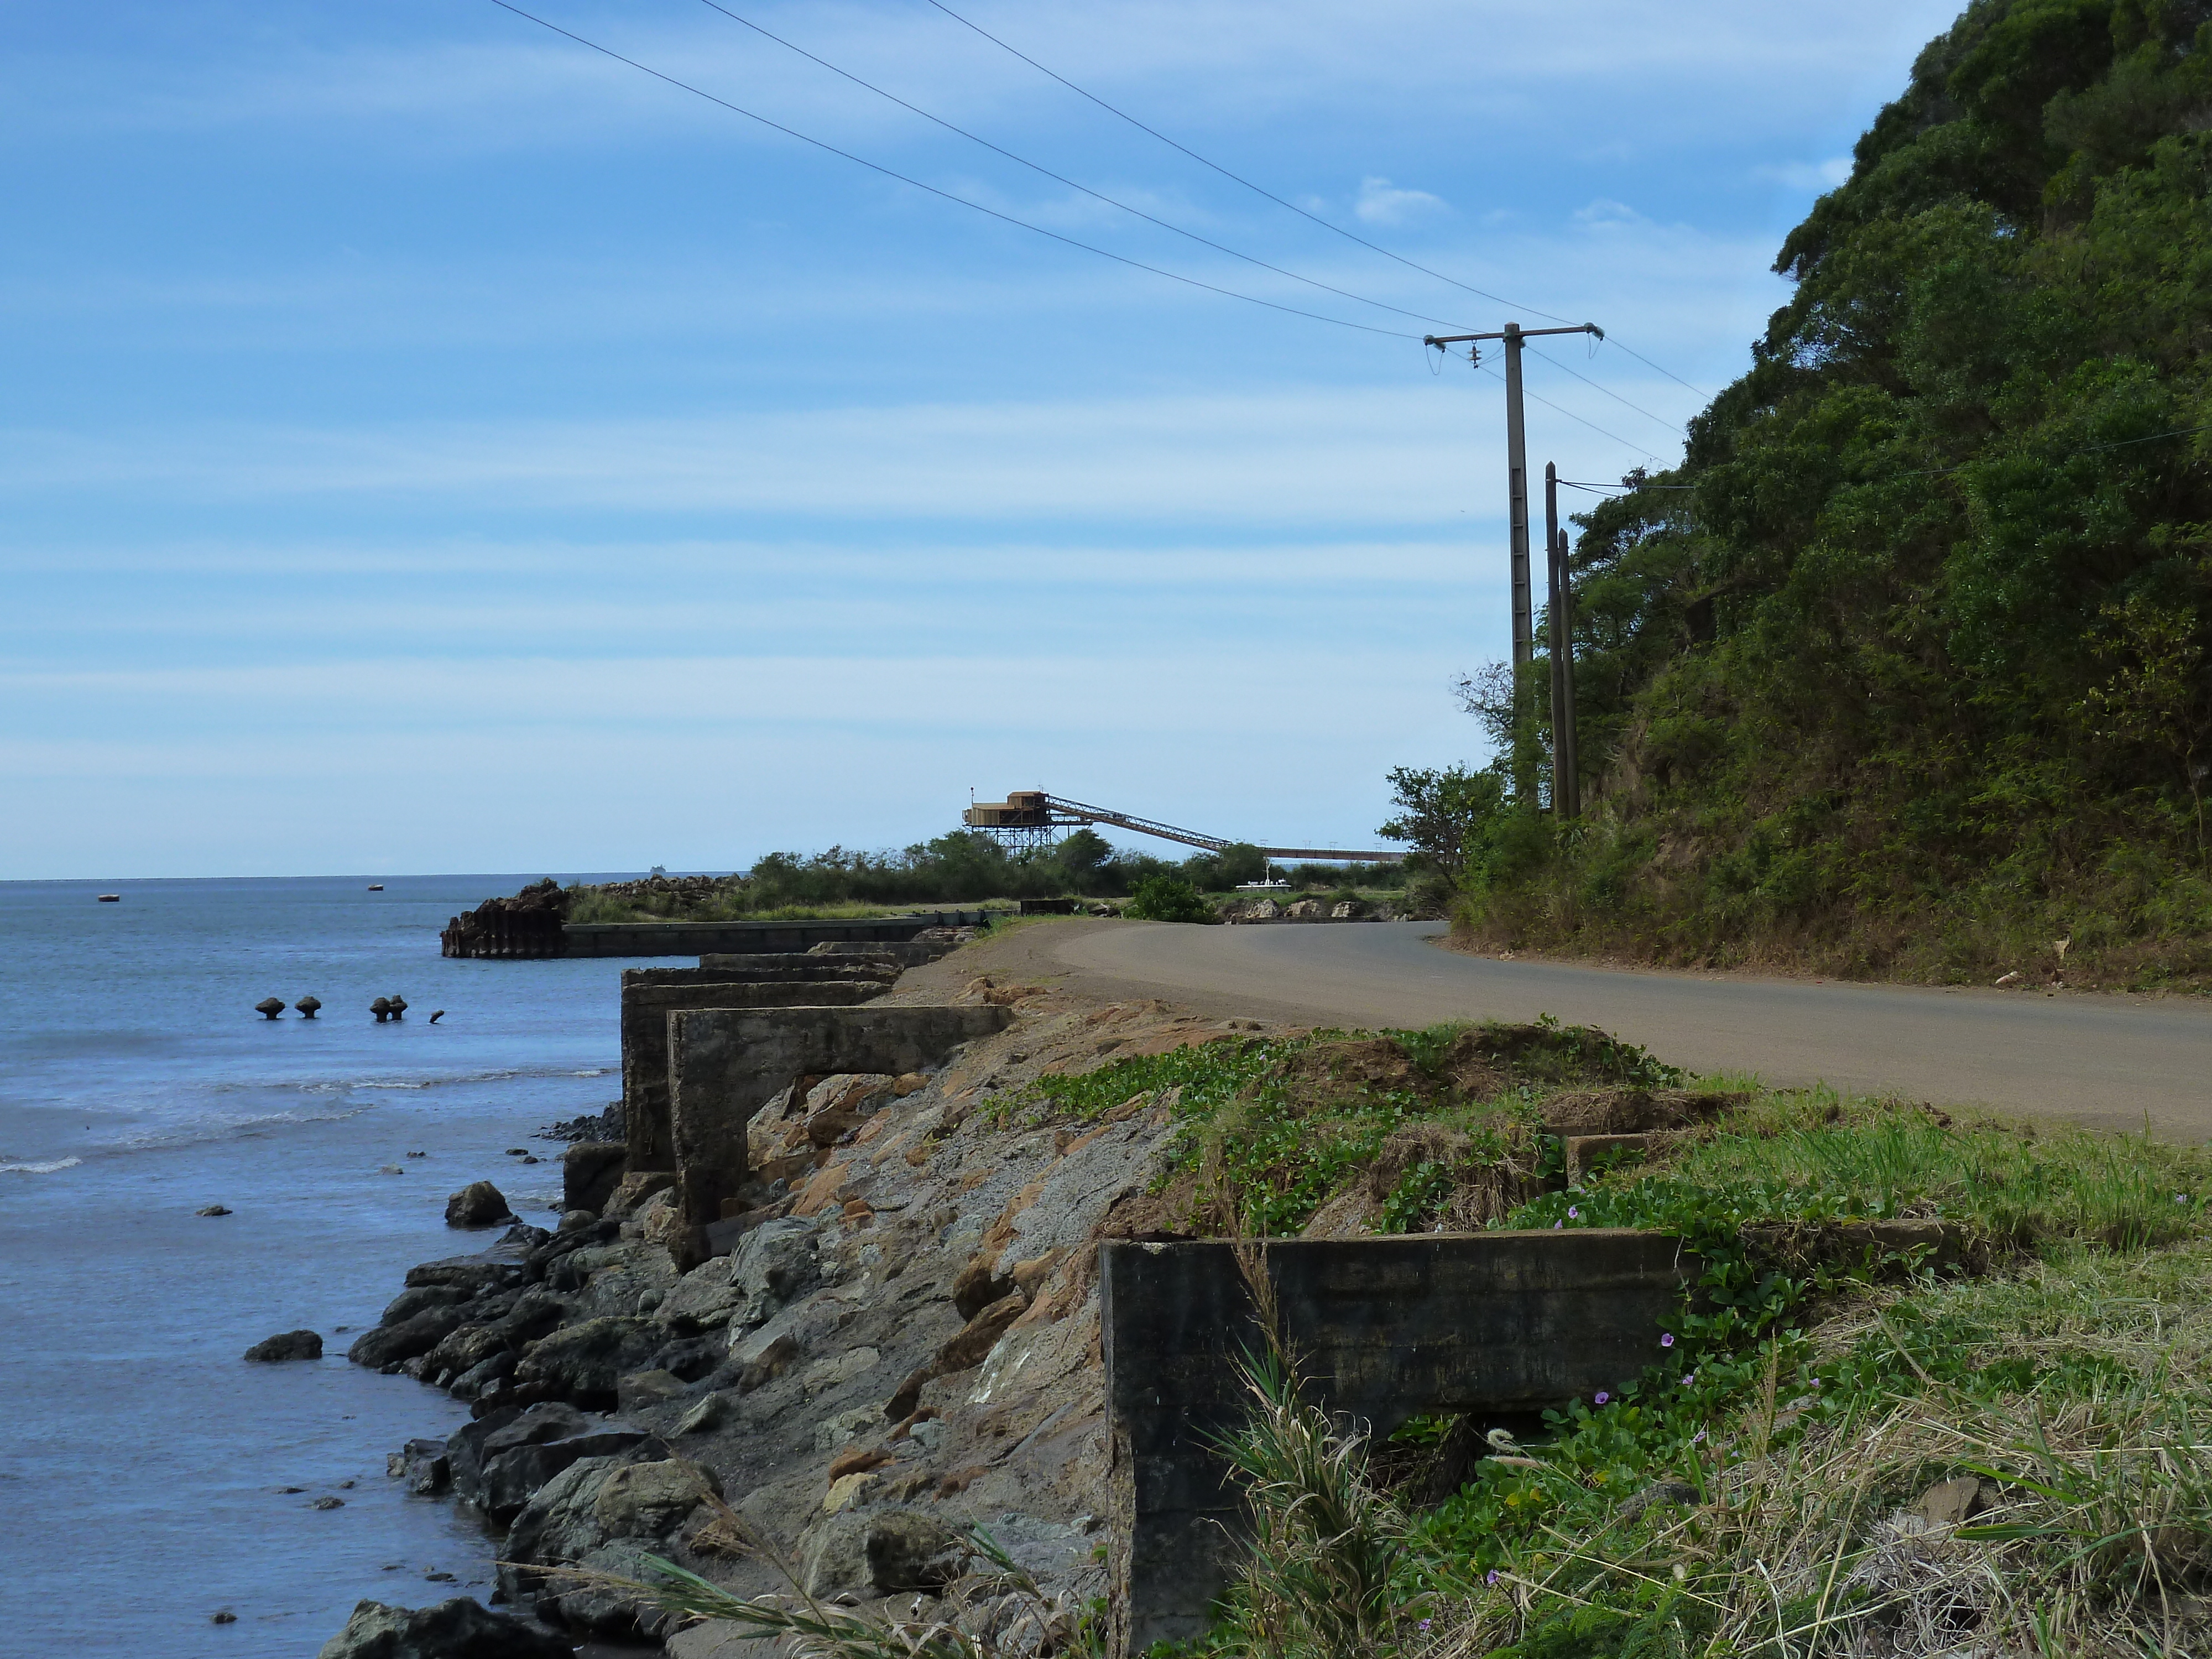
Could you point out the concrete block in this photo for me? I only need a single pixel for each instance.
(649, 994)
(1497, 1323)
(725, 1063)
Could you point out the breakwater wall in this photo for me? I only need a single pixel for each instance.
(537, 936)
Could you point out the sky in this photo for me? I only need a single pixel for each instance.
(428, 443)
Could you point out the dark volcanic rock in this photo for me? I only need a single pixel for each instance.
(415, 1299)
(581, 1363)
(589, 1172)
(423, 1465)
(269, 1008)
(459, 1629)
(530, 1316)
(479, 1204)
(389, 1344)
(291, 1344)
(606, 1125)
(476, 1275)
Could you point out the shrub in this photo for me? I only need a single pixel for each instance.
(1168, 898)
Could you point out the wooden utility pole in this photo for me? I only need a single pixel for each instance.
(1566, 779)
(1516, 489)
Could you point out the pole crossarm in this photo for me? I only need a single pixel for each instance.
(1509, 333)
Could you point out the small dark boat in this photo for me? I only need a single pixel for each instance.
(110, 898)
(376, 887)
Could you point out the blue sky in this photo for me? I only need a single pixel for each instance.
(426, 444)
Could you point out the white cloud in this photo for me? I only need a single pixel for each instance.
(1381, 203)
(1815, 176)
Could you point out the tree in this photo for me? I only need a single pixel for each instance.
(1440, 812)
(1082, 855)
(1241, 862)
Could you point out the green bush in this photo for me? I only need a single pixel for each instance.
(1168, 898)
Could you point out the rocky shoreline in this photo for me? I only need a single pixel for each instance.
(901, 1347)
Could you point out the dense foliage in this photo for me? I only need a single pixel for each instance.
(961, 868)
(1903, 668)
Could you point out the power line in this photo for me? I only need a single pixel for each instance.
(1061, 179)
(1235, 177)
(1670, 425)
(977, 207)
(1260, 190)
(1669, 373)
(1634, 449)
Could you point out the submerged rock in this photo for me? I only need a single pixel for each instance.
(269, 1008)
(291, 1344)
(459, 1629)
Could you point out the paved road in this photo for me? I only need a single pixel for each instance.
(2105, 1060)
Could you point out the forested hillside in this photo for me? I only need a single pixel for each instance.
(1904, 670)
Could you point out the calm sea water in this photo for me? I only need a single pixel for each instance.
(144, 1465)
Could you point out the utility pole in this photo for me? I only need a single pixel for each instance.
(1516, 488)
(1566, 780)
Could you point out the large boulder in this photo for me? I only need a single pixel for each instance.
(777, 1263)
(530, 1316)
(556, 1527)
(581, 1363)
(702, 1299)
(650, 1500)
(478, 1275)
(521, 1455)
(417, 1297)
(459, 1629)
(291, 1344)
(479, 1204)
(590, 1171)
(390, 1345)
(885, 1552)
(602, 1610)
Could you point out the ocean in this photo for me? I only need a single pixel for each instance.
(151, 1479)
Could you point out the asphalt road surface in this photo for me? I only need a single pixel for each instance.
(2110, 1061)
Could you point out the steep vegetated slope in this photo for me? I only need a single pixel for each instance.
(1904, 669)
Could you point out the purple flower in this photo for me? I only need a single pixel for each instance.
(1666, 1339)
(1573, 1214)
(1424, 1624)
(1697, 1438)
(1690, 1379)
(1556, 1225)
(1602, 1396)
(1490, 1578)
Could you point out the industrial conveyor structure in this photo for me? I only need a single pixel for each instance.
(1031, 818)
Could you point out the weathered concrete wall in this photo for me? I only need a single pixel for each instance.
(691, 938)
(1503, 1324)
(724, 1064)
(648, 994)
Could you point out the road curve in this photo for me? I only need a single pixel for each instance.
(2108, 1062)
